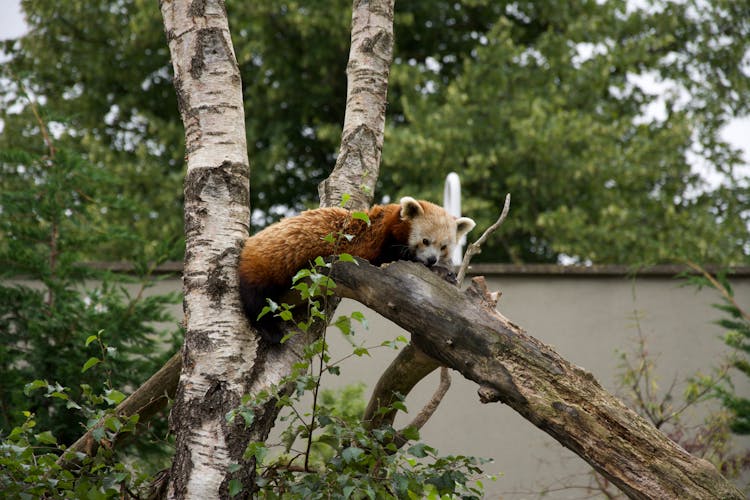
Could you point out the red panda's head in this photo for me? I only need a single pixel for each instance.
(433, 232)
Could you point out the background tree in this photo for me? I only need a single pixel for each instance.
(553, 107)
(547, 100)
(51, 217)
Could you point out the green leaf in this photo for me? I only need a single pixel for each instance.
(113, 424)
(286, 315)
(90, 339)
(98, 434)
(301, 274)
(410, 433)
(93, 361)
(248, 415)
(418, 450)
(358, 316)
(235, 487)
(344, 324)
(345, 257)
(255, 450)
(351, 454)
(361, 216)
(361, 351)
(114, 396)
(46, 437)
(32, 386)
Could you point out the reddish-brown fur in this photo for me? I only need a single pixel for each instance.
(274, 255)
(270, 259)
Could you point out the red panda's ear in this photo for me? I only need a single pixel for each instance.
(463, 226)
(410, 208)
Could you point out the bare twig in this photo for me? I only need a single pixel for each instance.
(54, 229)
(40, 121)
(476, 247)
(429, 408)
(424, 415)
(719, 287)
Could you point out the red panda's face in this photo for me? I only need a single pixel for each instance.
(434, 233)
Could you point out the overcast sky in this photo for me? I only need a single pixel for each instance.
(12, 25)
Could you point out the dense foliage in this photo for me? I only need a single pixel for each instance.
(52, 213)
(34, 463)
(592, 114)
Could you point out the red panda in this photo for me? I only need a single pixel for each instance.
(411, 230)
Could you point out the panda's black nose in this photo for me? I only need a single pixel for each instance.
(431, 261)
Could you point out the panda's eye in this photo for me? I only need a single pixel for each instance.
(426, 242)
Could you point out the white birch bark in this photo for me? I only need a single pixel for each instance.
(217, 356)
(358, 163)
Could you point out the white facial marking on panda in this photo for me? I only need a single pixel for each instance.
(434, 233)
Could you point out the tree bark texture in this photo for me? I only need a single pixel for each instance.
(358, 163)
(217, 356)
(463, 331)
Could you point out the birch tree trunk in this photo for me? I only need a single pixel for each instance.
(370, 54)
(217, 356)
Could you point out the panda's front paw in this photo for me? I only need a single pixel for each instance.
(447, 274)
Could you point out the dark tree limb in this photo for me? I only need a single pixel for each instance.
(147, 400)
(462, 330)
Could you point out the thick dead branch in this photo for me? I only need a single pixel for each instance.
(462, 330)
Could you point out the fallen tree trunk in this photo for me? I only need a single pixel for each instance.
(463, 331)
